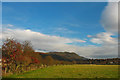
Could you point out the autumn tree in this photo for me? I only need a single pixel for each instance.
(16, 54)
(11, 49)
(27, 48)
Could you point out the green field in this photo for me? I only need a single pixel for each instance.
(72, 71)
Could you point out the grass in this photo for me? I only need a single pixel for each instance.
(72, 71)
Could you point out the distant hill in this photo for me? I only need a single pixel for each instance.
(63, 56)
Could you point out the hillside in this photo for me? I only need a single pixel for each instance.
(63, 56)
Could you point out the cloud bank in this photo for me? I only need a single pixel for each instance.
(109, 18)
(56, 43)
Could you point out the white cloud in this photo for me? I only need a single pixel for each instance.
(104, 38)
(9, 25)
(109, 21)
(37, 37)
(109, 18)
(109, 44)
(77, 40)
(55, 43)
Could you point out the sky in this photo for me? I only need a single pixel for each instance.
(88, 28)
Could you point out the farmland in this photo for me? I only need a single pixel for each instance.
(71, 71)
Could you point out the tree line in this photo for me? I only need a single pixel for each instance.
(19, 57)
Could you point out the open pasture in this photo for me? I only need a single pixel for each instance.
(72, 71)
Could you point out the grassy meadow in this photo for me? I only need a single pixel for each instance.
(71, 71)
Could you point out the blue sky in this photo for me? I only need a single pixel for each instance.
(80, 23)
(70, 19)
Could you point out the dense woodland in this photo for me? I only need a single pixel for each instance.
(20, 57)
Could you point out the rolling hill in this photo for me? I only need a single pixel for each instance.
(63, 56)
